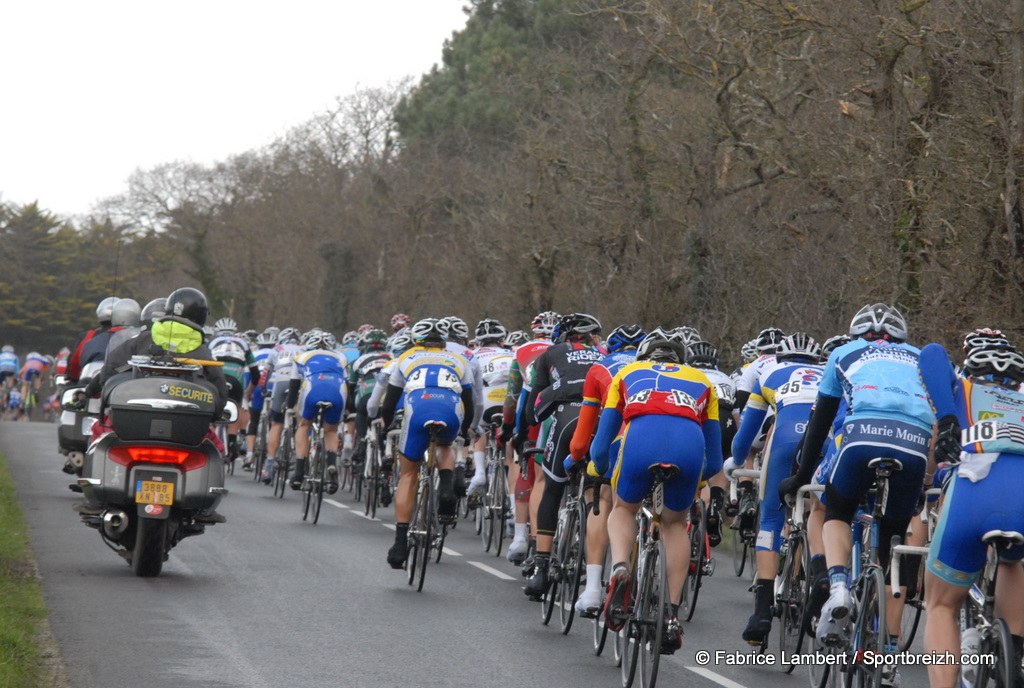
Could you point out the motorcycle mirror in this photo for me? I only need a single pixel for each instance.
(60, 380)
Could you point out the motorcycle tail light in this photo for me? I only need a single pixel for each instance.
(186, 459)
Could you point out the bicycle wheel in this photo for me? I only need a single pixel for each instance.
(913, 607)
(600, 629)
(999, 674)
(698, 541)
(651, 605)
(373, 481)
(824, 675)
(793, 597)
(572, 558)
(502, 504)
(630, 639)
(486, 511)
(869, 635)
(739, 552)
(307, 491)
(319, 473)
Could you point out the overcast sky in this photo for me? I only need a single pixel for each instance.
(93, 90)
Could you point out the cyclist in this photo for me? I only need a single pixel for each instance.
(318, 374)
(361, 382)
(61, 365)
(276, 377)
(239, 363)
(704, 356)
(983, 494)
(788, 387)
(265, 342)
(32, 372)
(670, 413)
(889, 417)
(437, 388)
(399, 321)
(557, 392)
(103, 312)
(621, 344)
(10, 364)
(543, 326)
(490, 364)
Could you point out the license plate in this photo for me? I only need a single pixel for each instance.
(153, 492)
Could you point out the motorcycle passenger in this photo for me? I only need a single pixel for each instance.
(103, 313)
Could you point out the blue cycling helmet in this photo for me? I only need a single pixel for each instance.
(625, 338)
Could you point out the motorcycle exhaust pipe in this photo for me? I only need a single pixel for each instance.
(115, 522)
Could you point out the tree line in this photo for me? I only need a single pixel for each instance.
(727, 165)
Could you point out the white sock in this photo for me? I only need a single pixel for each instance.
(521, 532)
(594, 578)
(480, 463)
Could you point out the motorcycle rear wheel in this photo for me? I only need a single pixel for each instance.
(148, 554)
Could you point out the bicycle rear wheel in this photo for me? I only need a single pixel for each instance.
(869, 635)
(739, 552)
(373, 482)
(630, 650)
(572, 559)
(652, 603)
(319, 479)
(502, 504)
(1002, 672)
(698, 541)
(793, 597)
(485, 512)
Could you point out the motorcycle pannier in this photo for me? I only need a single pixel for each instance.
(161, 408)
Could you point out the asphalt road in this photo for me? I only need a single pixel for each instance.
(268, 600)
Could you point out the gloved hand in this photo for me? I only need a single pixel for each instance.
(505, 434)
(728, 466)
(788, 488)
(571, 465)
(519, 441)
(947, 443)
(592, 472)
(79, 403)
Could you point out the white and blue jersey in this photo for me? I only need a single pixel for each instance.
(9, 362)
(324, 376)
(433, 381)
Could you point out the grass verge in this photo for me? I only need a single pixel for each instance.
(28, 653)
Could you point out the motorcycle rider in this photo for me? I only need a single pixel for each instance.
(104, 310)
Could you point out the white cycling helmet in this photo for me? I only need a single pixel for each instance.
(879, 321)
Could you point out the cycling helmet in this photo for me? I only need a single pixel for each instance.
(658, 347)
(879, 321)
(702, 355)
(768, 340)
(288, 334)
(225, 326)
(400, 342)
(689, 335)
(264, 339)
(625, 338)
(749, 351)
(515, 338)
(798, 345)
(1005, 366)
(457, 328)
(8, 349)
(833, 343)
(189, 305)
(125, 313)
(490, 331)
(374, 340)
(350, 337)
(400, 320)
(320, 340)
(985, 338)
(208, 333)
(543, 324)
(430, 330)
(578, 326)
(104, 309)
(152, 311)
(364, 328)
(272, 331)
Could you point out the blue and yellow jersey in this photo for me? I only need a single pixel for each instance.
(785, 383)
(319, 364)
(669, 389)
(421, 367)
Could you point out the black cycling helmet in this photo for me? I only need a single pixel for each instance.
(515, 338)
(688, 335)
(768, 340)
(1004, 366)
(374, 340)
(702, 355)
(578, 326)
(833, 343)
(187, 305)
(660, 346)
(879, 321)
(985, 338)
(153, 311)
(430, 330)
(489, 332)
(625, 338)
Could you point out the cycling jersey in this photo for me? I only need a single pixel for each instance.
(9, 362)
(491, 367)
(595, 390)
(558, 376)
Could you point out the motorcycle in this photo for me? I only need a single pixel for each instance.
(75, 425)
(157, 476)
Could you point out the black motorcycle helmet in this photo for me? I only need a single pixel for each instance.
(154, 310)
(189, 306)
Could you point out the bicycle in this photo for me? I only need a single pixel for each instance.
(259, 451)
(316, 470)
(568, 555)
(913, 607)
(285, 452)
(994, 634)
(372, 470)
(744, 526)
(645, 626)
(426, 533)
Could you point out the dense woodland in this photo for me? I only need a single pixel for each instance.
(720, 163)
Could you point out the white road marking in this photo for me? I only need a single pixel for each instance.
(494, 572)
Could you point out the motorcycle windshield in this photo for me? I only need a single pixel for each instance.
(120, 337)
